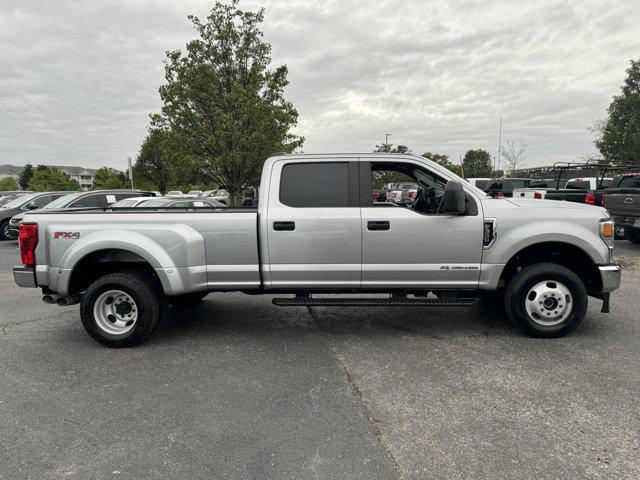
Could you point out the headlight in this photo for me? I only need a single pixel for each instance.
(607, 233)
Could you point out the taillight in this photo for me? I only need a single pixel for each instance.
(537, 195)
(500, 194)
(411, 193)
(28, 240)
(590, 199)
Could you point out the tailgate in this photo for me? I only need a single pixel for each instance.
(623, 204)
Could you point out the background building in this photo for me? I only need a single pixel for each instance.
(84, 176)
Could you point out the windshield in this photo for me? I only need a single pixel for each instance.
(20, 201)
(64, 200)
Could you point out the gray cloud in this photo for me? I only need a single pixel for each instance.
(78, 79)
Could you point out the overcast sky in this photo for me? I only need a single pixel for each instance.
(78, 79)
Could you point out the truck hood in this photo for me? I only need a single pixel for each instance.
(556, 204)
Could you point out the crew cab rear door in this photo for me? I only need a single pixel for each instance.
(313, 228)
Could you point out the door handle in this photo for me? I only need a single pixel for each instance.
(284, 226)
(378, 225)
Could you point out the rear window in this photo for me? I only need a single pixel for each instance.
(88, 201)
(511, 184)
(633, 182)
(308, 185)
(579, 184)
(482, 184)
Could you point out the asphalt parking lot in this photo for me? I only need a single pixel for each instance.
(238, 388)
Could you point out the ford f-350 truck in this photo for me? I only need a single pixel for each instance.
(317, 230)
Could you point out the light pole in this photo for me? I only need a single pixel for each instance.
(386, 138)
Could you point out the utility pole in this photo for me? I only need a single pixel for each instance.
(499, 144)
(386, 138)
(130, 172)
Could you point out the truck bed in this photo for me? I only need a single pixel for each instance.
(214, 249)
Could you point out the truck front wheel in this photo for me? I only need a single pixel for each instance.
(546, 300)
(122, 309)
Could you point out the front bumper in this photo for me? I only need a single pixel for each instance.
(25, 276)
(610, 275)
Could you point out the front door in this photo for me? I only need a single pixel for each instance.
(417, 246)
(313, 226)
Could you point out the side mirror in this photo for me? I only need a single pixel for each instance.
(454, 201)
(31, 206)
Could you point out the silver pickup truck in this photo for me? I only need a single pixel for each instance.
(317, 230)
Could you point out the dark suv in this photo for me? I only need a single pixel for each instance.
(23, 203)
(503, 187)
(90, 199)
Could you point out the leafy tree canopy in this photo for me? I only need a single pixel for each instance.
(443, 160)
(47, 179)
(25, 176)
(223, 104)
(107, 179)
(477, 163)
(619, 140)
(154, 166)
(8, 183)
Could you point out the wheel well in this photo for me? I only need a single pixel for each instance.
(569, 256)
(103, 262)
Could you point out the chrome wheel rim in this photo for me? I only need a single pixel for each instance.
(115, 312)
(5, 229)
(549, 303)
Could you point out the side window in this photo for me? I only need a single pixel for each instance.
(630, 182)
(181, 205)
(41, 201)
(88, 201)
(414, 187)
(308, 185)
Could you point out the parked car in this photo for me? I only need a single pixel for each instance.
(174, 193)
(20, 204)
(194, 193)
(480, 183)
(221, 195)
(7, 198)
(95, 198)
(587, 190)
(504, 187)
(129, 202)
(622, 200)
(321, 231)
(168, 202)
(403, 193)
(250, 197)
(7, 193)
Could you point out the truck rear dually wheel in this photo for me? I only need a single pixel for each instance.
(122, 309)
(546, 300)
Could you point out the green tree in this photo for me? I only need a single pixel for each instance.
(443, 160)
(224, 106)
(385, 176)
(8, 183)
(477, 163)
(25, 176)
(47, 179)
(619, 140)
(107, 179)
(74, 186)
(154, 166)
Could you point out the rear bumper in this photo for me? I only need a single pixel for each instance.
(610, 275)
(25, 276)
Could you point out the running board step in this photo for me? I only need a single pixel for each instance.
(372, 302)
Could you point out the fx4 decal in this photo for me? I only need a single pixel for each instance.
(73, 235)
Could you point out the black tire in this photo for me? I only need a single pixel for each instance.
(521, 284)
(618, 232)
(633, 235)
(4, 230)
(151, 307)
(187, 299)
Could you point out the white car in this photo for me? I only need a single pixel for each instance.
(194, 193)
(174, 193)
(129, 202)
